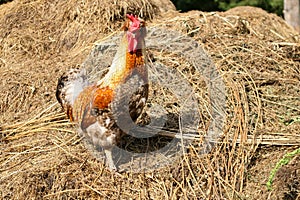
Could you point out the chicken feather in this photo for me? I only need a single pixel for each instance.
(102, 107)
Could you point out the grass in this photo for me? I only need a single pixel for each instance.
(284, 161)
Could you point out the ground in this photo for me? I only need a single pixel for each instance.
(256, 54)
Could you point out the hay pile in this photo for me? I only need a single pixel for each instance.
(38, 34)
(257, 54)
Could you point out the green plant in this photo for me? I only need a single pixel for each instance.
(284, 161)
(205, 5)
(4, 1)
(274, 6)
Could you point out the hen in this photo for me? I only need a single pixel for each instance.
(101, 108)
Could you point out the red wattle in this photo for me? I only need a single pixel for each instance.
(132, 42)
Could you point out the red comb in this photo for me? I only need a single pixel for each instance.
(134, 33)
(132, 18)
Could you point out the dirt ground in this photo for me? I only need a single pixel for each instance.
(256, 53)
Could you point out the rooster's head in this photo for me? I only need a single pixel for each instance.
(136, 32)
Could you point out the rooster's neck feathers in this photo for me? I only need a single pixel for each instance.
(130, 54)
(123, 64)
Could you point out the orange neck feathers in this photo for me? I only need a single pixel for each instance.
(129, 56)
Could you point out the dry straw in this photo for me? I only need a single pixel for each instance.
(256, 53)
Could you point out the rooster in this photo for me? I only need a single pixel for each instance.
(98, 107)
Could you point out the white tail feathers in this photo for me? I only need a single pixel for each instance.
(77, 81)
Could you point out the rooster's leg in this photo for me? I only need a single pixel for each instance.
(109, 160)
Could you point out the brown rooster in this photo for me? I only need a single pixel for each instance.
(99, 108)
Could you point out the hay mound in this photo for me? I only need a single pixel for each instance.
(41, 28)
(36, 34)
(256, 53)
